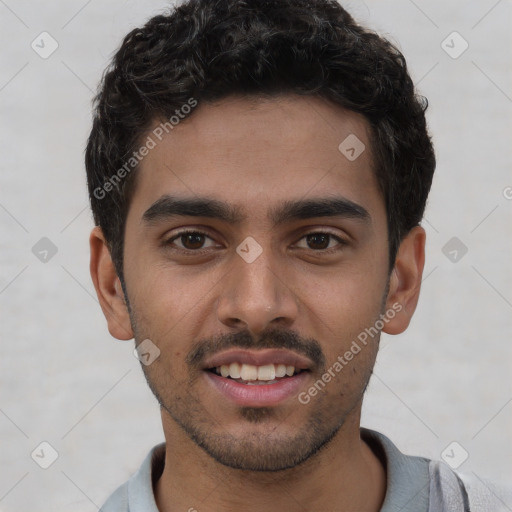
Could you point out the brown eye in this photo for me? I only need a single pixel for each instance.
(192, 240)
(320, 241)
(189, 241)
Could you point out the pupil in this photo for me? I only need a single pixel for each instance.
(316, 237)
(192, 240)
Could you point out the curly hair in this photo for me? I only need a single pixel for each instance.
(210, 49)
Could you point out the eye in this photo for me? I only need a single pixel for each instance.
(321, 241)
(195, 241)
(189, 240)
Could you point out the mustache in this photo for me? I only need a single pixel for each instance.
(271, 338)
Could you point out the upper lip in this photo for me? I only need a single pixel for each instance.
(258, 358)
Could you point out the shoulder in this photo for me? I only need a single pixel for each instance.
(486, 496)
(117, 501)
(137, 492)
(433, 482)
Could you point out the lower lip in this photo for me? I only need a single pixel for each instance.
(258, 395)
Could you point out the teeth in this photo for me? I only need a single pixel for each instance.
(249, 372)
(280, 370)
(267, 372)
(234, 370)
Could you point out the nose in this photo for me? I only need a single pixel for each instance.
(257, 295)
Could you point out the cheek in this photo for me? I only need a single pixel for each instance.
(344, 313)
(345, 301)
(166, 293)
(171, 307)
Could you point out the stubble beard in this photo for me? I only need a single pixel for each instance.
(264, 447)
(263, 450)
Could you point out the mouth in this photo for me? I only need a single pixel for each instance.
(261, 378)
(253, 375)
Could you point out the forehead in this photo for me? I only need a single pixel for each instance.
(256, 152)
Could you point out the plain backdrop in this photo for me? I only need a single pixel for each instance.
(65, 381)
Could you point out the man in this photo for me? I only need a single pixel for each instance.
(257, 173)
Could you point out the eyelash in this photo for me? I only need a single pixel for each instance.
(168, 242)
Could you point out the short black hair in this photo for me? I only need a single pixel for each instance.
(207, 50)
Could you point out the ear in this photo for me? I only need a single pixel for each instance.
(108, 287)
(405, 281)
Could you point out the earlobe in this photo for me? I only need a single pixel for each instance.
(405, 281)
(108, 287)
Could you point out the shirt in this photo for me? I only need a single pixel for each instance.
(414, 484)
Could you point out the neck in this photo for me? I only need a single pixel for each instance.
(343, 476)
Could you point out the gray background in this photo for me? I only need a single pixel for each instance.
(65, 381)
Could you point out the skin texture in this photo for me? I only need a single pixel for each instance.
(254, 154)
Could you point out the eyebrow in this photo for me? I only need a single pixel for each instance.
(167, 207)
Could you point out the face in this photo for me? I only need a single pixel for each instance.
(256, 249)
